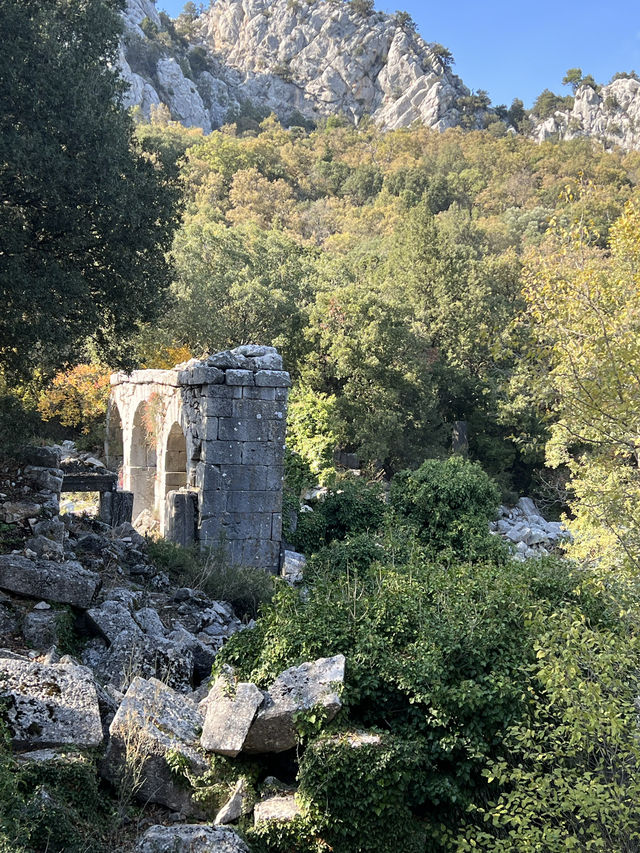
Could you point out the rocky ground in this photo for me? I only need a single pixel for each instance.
(101, 650)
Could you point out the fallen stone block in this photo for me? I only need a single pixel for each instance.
(152, 721)
(40, 629)
(112, 619)
(44, 547)
(133, 655)
(66, 583)
(293, 567)
(297, 689)
(231, 709)
(191, 838)
(282, 807)
(50, 705)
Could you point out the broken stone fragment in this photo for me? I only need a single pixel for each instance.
(236, 806)
(230, 711)
(282, 807)
(49, 705)
(297, 689)
(66, 583)
(191, 838)
(293, 567)
(152, 721)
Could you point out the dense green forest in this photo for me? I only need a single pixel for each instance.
(410, 280)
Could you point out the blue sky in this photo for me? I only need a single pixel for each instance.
(515, 49)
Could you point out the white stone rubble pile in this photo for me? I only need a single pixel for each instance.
(524, 527)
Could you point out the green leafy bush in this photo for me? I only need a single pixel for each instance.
(450, 504)
(54, 805)
(435, 657)
(351, 506)
(365, 792)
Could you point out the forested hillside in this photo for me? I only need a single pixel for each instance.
(389, 269)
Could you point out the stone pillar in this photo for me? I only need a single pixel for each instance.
(116, 507)
(239, 475)
(181, 516)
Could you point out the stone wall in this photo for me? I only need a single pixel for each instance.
(212, 429)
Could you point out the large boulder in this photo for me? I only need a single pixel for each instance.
(49, 705)
(297, 689)
(65, 583)
(230, 711)
(152, 721)
(133, 655)
(191, 838)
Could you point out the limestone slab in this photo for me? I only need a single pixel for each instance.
(65, 583)
(231, 709)
(50, 705)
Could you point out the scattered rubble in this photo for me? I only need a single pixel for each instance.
(525, 528)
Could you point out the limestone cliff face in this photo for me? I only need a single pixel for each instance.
(612, 115)
(323, 58)
(317, 59)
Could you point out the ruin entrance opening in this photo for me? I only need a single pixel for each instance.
(175, 462)
(143, 462)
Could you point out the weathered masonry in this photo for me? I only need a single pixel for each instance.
(202, 449)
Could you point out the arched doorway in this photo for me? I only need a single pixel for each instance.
(143, 462)
(175, 460)
(113, 441)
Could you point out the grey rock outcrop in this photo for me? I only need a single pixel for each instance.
(310, 58)
(297, 689)
(191, 838)
(65, 583)
(50, 705)
(611, 115)
(153, 720)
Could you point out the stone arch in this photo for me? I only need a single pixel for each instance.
(175, 460)
(142, 462)
(114, 440)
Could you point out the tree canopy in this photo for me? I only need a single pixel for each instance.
(86, 217)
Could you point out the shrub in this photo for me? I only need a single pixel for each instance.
(450, 504)
(54, 805)
(244, 587)
(436, 659)
(569, 776)
(351, 506)
(365, 792)
(19, 423)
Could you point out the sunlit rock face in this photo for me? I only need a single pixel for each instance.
(611, 115)
(291, 58)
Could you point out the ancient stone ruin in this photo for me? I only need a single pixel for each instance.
(202, 450)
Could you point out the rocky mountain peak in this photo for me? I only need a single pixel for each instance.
(296, 59)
